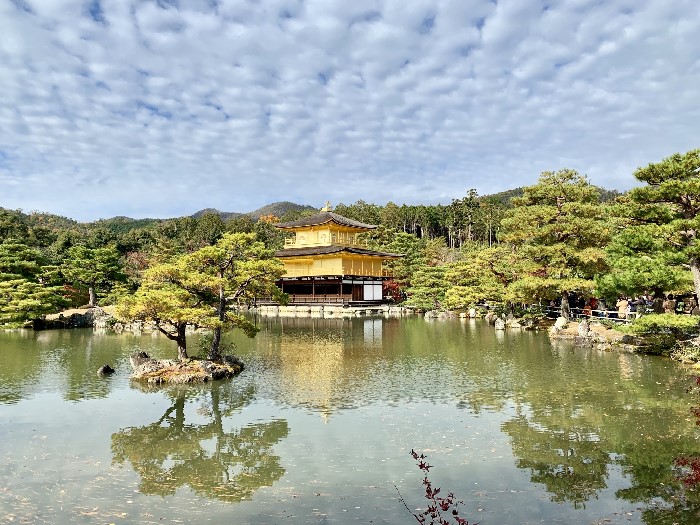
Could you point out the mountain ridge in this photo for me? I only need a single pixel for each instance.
(277, 209)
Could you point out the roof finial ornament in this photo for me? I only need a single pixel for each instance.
(327, 207)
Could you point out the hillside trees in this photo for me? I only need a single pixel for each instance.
(491, 212)
(37, 230)
(360, 211)
(12, 226)
(266, 232)
(413, 258)
(460, 218)
(470, 218)
(175, 237)
(390, 216)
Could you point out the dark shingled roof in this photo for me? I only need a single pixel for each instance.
(323, 218)
(325, 250)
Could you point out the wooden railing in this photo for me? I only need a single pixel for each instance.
(307, 299)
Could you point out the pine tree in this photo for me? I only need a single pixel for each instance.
(664, 221)
(97, 269)
(483, 275)
(560, 229)
(428, 288)
(27, 287)
(198, 288)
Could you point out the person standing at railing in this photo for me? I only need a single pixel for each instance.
(680, 306)
(635, 307)
(622, 304)
(594, 304)
(669, 304)
(602, 308)
(587, 309)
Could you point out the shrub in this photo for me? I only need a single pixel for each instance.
(680, 326)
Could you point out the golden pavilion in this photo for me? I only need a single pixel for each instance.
(326, 261)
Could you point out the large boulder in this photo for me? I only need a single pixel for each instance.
(500, 324)
(138, 359)
(584, 328)
(105, 370)
(529, 324)
(560, 324)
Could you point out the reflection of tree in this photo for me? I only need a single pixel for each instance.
(62, 357)
(658, 475)
(214, 462)
(21, 366)
(80, 361)
(571, 463)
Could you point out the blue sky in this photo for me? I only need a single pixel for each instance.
(161, 108)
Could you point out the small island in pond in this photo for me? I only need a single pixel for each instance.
(161, 371)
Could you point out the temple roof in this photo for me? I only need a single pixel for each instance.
(325, 217)
(326, 250)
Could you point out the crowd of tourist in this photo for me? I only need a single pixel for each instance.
(627, 308)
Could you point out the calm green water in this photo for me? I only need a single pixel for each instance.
(319, 426)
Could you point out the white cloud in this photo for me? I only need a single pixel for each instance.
(152, 108)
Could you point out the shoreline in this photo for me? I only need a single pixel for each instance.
(581, 332)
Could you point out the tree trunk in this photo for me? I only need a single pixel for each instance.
(565, 312)
(181, 341)
(215, 350)
(179, 406)
(695, 271)
(93, 297)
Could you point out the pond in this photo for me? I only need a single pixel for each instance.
(319, 427)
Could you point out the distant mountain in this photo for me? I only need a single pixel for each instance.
(279, 209)
(276, 208)
(36, 218)
(285, 210)
(608, 195)
(505, 197)
(123, 224)
(225, 215)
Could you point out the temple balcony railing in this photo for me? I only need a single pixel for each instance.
(348, 273)
(336, 240)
